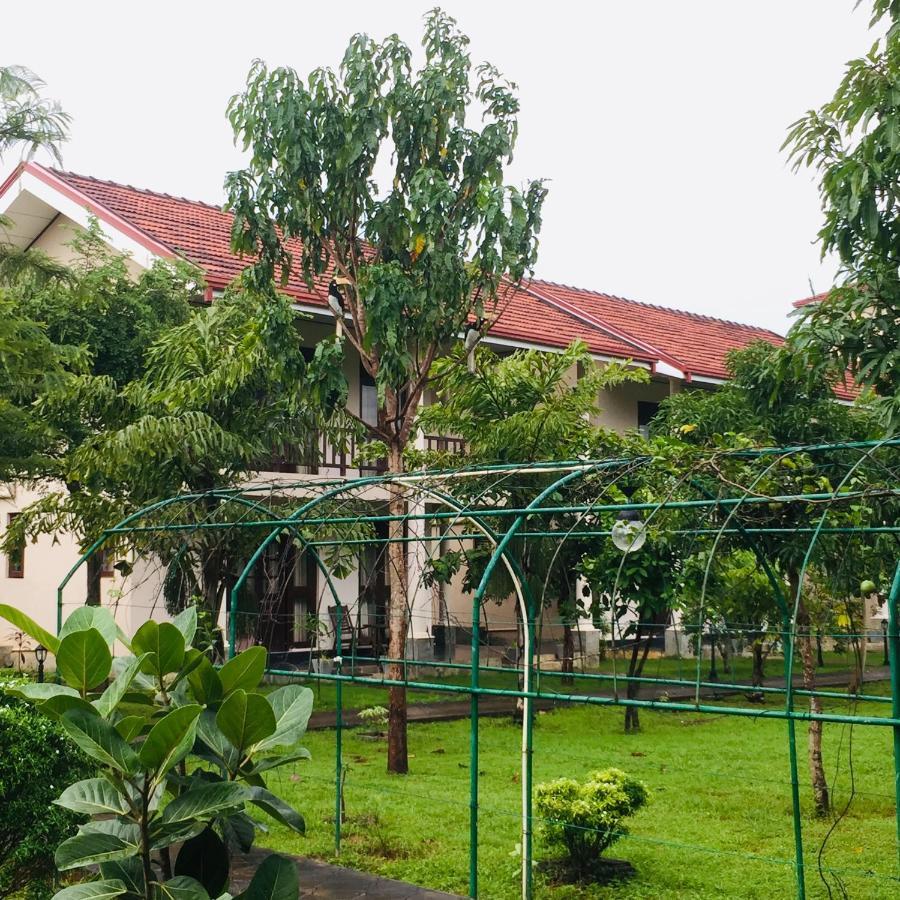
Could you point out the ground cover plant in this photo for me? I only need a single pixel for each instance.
(719, 824)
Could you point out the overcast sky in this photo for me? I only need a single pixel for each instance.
(658, 123)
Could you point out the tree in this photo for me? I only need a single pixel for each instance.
(26, 117)
(216, 394)
(851, 143)
(142, 718)
(759, 406)
(526, 407)
(413, 263)
(93, 323)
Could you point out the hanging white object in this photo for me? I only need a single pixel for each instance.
(629, 535)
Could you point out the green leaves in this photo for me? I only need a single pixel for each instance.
(205, 800)
(24, 622)
(181, 887)
(170, 739)
(245, 671)
(245, 719)
(275, 879)
(89, 848)
(93, 890)
(292, 705)
(93, 797)
(206, 859)
(164, 644)
(98, 739)
(83, 659)
(86, 617)
(277, 809)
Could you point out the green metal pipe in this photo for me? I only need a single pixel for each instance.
(894, 659)
(338, 736)
(525, 511)
(594, 700)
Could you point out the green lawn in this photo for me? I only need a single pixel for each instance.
(718, 824)
(356, 696)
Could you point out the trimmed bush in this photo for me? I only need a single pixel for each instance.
(37, 761)
(586, 818)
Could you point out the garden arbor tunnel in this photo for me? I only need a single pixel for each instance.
(518, 532)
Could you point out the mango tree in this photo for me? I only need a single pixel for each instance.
(412, 260)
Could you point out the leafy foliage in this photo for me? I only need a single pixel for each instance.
(411, 262)
(851, 143)
(586, 818)
(26, 117)
(167, 704)
(37, 759)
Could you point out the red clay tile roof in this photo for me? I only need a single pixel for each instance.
(541, 313)
(695, 343)
(807, 300)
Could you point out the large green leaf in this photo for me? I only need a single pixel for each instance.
(119, 686)
(83, 659)
(165, 641)
(205, 683)
(273, 762)
(170, 739)
(277, 809)
(99, 740)
(292, 705)
(245, 719)
(205, 800)
(129, 871)
(90, 848)
(245, 671)
(205, 857)
(186, 623)
(86, 617)
(93, 797)
(275, 879)
(93, 890)
(181, 887)
(25, 623)
(38, 693)
(219, 746)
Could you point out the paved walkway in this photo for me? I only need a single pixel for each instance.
(326, 882)
(505, 706)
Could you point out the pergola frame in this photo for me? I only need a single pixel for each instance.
(499, 526)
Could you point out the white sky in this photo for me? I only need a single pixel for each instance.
(658, 123)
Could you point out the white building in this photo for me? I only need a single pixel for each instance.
(46, 207)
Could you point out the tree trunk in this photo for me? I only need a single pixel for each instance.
(94, 568)
(759, 663)
(568, 655)
(398, 621)
(807, 654)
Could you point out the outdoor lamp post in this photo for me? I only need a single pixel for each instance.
(40, 654)
(884, 627)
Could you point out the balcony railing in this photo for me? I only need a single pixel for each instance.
(440, 443)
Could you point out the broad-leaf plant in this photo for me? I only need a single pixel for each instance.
(183, 750)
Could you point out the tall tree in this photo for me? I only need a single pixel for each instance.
(526, 407)
(414, 261)
(852, 144)
(758, 406)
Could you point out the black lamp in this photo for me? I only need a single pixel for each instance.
(884, 625)
(40, 654)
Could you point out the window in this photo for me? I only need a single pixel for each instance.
(106, 563)
(15, 560)
(368, 398)
(645, 413)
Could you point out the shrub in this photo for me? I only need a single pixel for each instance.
(587, 818)
(374, 716)
(37, 760)
(147, 719)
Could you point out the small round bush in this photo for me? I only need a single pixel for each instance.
(37, 762)
(585, 818)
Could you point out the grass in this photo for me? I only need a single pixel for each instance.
(718, 823)
(357, 696)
